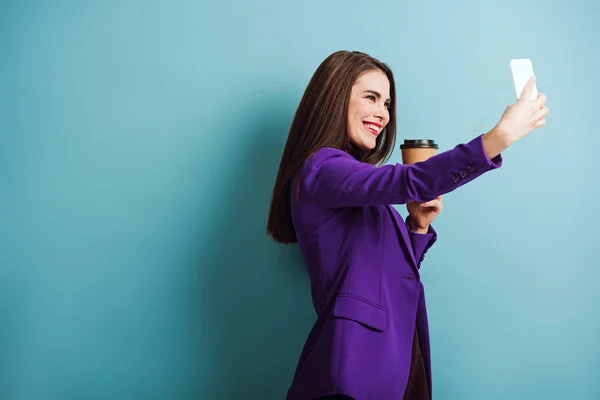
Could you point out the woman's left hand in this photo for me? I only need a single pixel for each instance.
(421, 215)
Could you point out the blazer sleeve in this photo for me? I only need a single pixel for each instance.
(421, 242)
(335, 179)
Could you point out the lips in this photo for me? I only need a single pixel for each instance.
(372, 127)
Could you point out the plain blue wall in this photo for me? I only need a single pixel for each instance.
(139, 144)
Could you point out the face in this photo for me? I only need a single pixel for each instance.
(368, 111)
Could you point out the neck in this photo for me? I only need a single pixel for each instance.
(353, 150)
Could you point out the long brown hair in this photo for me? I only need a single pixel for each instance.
(321, 120)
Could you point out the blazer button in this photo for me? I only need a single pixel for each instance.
(463, 173)
(456, 178)
(471, 168)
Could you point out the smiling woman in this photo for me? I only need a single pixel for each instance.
(368, 111)
(371, 338)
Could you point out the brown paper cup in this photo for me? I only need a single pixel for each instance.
(415, 150)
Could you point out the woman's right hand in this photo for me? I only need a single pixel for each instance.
(517, 121)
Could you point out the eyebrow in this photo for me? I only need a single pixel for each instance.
(377, 95)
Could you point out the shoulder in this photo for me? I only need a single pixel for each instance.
(324, 156)
(325, 153)
(317, 167)
(325, 163)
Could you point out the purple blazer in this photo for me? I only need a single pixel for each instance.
(363, 265)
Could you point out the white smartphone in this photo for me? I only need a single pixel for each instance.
(522, 70)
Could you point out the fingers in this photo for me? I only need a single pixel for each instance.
(540, 100)
(542, 112)
(528, 89)
(435, 204)
(434, 201)
(540, 117)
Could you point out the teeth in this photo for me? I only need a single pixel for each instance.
(372, 127)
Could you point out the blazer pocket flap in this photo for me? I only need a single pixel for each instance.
(361, 311)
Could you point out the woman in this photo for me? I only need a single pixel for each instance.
(334, 198)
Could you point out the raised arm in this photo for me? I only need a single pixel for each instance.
(335, 179)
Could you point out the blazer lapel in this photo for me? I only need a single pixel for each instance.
(401, 226)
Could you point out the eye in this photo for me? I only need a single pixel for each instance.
(371, 97)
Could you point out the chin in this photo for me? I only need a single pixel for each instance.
(364, 141)
(369, 144)
(364, 145)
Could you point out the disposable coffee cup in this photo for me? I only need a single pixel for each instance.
(415, 150)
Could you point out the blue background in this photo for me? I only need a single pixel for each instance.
(139, 144)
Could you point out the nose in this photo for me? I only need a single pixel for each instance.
(381, 112)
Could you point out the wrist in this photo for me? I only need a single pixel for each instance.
(413, 227)
(495, 141)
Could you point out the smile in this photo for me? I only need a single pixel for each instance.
(373, 128)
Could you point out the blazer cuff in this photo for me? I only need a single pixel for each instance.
(421, 242)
